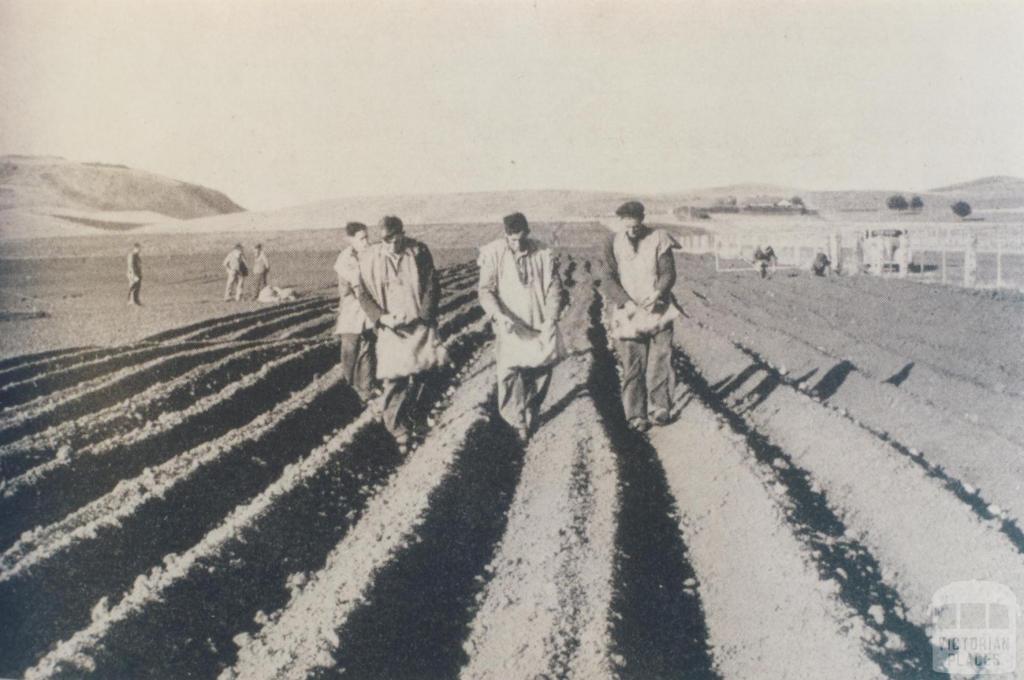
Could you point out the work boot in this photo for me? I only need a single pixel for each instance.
(639, 425)
(661, 418)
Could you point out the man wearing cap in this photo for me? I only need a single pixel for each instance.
(355, 330)
(399, 294)
(234, 265)
(521, 292)
(641, 273)
(134, 275)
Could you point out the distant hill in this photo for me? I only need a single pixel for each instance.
(998, 192)
(41, 195)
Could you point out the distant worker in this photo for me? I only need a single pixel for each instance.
(260, 270)
(134, 275)
(641, 273)
(821, 266)
(399, 294)
(237, 270)
(765, 261)
(354, 328)
(521, 292)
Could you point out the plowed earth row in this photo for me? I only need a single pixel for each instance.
(239, 515)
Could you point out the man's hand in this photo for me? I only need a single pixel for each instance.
(519, 328)
(391, 321)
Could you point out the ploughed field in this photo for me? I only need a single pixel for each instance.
(214, 503)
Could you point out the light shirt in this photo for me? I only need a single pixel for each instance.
(262, 264)
(638, 269)
(233, 260)
(351, 317)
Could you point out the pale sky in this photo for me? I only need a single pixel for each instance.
(282, 103)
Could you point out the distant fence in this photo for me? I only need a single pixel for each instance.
(990, 256)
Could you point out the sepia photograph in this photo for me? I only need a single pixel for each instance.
(511, 339)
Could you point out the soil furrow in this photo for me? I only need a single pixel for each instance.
(923, 536)
(58, 360)
(220, 330)
(968, 410)
(320, 325)
(179, 334)
(761, 318)
(659, 627)
(49, 491)
(291, 511)
(127, 532)
(988, 480)
(265, 330)
(767, 608)
(545, 611)
(302, 636)
(22, 359)
(40, 388)
(416, 614)
(847, 570)
(123, 418)
(96, 395)
(921, 323)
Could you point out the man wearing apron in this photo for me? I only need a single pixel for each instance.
(641, 273)
(521, 292)
(399, 295)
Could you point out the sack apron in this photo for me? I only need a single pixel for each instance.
(395, 285)
(638, 272)
(528, 301)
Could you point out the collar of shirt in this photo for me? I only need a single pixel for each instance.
(641, 234)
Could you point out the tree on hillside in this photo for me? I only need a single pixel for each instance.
(797, 201)
(961, 209)
(916, 203)
(897, 202)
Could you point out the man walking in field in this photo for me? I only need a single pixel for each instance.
(521, 292)
(354, 328)
(237, 270)
(399, 294)
(134, 275)
(261, 269)
(641, 273)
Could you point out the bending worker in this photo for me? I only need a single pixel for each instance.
(399, 294)
(641, 273)
(521, 292)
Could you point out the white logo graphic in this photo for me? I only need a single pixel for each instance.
(974, 629)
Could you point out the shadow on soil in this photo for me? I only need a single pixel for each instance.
(659, 627)
(189, 633)
(841, 560)
(419, 611)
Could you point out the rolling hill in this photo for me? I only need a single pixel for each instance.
(51, 196)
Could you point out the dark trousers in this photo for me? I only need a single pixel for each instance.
(402, 398)
(647, 378)
(134, 288)
(358, 361)
(521, 392)
(259, 284)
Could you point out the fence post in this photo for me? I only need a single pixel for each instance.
(999, 259)
(945, 242)
(717, 246)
